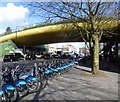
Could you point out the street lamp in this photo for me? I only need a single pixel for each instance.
(16, 32)
(16, 37)
(24, 47)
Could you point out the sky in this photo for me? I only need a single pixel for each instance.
(12, 15)
(16, 15)
(75, 44)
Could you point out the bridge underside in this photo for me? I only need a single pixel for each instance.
(50, 34)
(54, 38)
(58, 37)
(48, 38)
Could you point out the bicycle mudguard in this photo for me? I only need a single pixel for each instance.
(48, 71)
(29, 78)
(66, 66)
(62, 67)
(20, 82)
(23, 76)
(1, 92)
(8, 87)
(54, 70)
(76, 62)
(70, 64)
(59, 68)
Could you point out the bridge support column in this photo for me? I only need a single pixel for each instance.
(104, 52)
(24, 48)
(116, 51)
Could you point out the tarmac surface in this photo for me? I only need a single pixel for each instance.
(77, 84)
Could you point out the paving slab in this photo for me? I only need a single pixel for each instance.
(75, 86)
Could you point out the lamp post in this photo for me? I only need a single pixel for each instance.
(16, 32)
(16, 37)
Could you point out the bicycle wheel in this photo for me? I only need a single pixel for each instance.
(33, 85)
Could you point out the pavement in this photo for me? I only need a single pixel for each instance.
(0, 59)
(73, 85)
(78, 84)
(0, 64)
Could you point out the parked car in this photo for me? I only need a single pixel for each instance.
(19, 56)
(56, 55)
(9, 58)
(39, 56)
(13, 57)
(66, 55)
(30, 57)
(6, 58)
(47, 56)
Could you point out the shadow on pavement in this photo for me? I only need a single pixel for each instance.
(111, 67)
(36, 97)
(71, 88)
(83, 69)
(37, 93)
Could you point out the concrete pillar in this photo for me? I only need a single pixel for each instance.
(24, 48)
(116, 51)
(104, 51)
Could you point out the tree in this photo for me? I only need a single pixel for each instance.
(93, 15)
(8, 30)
